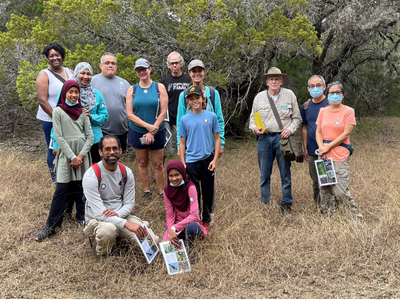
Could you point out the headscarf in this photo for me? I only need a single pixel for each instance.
(178, 196)
(88, 97)
(73, 111)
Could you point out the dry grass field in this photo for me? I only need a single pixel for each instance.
(251, 251)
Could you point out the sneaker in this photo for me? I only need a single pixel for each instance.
(43, 234)
(359, 216)
(147, 196)
(80, 223)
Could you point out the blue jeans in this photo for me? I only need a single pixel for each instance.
(47, 126)
(268, 150)
(193, 233)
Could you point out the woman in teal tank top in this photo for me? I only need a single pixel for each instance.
(146, 104)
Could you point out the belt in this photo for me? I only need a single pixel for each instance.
(272, 133)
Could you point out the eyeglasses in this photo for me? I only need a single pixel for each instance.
(335, 92)
(113, 63)
(319, 85)
(108, 149)
(174, 63)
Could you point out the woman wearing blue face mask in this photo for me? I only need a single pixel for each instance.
(74, 136)
(182, 208)
(334, 126)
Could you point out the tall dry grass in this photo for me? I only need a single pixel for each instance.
(251, 251)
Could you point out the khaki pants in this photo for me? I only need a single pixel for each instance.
(334, 195)
(105, 233)
(314, 176)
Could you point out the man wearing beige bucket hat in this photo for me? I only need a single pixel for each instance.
(268, 140)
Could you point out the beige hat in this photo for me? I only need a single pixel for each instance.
(273, 72)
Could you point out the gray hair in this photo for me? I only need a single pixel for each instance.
(316, 76)
(107, 54)
(339, 84)
(181, 60)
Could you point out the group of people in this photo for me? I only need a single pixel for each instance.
(326, 127)
(87, 121)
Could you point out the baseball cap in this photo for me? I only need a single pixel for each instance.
(196, 63)
(194, 90)
(142, 62)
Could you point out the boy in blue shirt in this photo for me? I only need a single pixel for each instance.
(196, 132)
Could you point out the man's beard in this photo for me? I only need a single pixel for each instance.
(111, 161)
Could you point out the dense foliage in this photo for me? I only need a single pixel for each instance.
(237, 40)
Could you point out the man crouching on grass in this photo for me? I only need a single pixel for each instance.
(110, 197)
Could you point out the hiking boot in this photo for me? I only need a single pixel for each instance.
(147, 196)
(43, 234)
(286, 209)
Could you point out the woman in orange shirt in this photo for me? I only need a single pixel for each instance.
(334, 126)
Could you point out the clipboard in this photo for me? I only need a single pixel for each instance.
(259, 122)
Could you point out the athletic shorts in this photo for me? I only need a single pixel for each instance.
(134, 136)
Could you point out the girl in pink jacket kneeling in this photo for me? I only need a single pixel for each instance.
(180, 197)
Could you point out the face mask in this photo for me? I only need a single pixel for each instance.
(71, 104)
(335, 98)
(182, 182)
(316, 92)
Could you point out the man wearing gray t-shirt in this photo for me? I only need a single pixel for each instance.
(113, 88)
(110, 197)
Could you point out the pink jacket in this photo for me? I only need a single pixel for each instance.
(181, 219)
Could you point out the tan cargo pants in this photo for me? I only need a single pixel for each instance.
(105, 233)
(334, 195)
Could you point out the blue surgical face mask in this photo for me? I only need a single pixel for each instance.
(335, 98)
(71, 104)
(316, 92)
(182, 182)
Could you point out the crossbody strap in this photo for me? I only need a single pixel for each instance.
(58, 76)
(274, 110)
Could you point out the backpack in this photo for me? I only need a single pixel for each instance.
(98, 174)
(305, 107)
(212, 95)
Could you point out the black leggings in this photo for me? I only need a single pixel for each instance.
(66, 192)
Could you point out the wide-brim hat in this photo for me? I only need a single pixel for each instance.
(273, 72)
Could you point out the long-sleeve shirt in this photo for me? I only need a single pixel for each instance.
(111, 194)
(99, 115)
(180, 219)
(287, 107)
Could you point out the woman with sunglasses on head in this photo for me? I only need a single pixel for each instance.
(334, 126)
